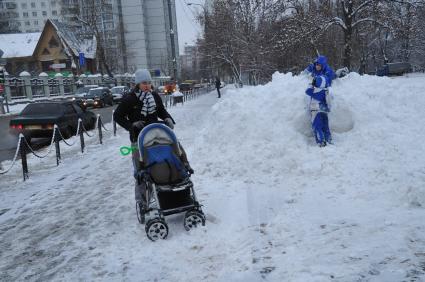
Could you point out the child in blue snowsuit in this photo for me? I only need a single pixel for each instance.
(320, 67)
(319, 109)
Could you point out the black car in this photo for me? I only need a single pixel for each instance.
(99, 97)
(185, 87)
(118, 92)
(38, 119)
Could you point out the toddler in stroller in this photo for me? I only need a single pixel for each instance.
(165, 174)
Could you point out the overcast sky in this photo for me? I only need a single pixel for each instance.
(188, 27)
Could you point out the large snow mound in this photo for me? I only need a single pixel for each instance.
(258, 146)
(377, 124)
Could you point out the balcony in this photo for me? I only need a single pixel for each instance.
(10, 5)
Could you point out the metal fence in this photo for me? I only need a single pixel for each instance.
(67, 86)
(37, 88)
(27, 87)
(54, 87)
(17, 88)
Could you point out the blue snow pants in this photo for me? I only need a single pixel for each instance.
(320, 125)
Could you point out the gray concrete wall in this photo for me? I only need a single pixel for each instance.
(135, 36)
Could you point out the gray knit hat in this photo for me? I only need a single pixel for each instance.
(142, 75)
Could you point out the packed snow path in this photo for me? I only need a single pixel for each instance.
(278, 207)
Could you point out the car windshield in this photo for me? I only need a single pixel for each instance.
(117, 90)
(83, 90)
(42, 109)
(94, 93)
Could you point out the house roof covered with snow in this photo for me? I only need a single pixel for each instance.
(18, 44)
(76, 40)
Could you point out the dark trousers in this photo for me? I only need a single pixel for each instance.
(218, 92)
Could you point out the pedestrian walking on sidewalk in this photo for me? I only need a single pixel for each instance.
(218, 86)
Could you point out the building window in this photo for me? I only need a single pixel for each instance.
(53, 3)
(44, 14)
(27, 23)
(43, 4)
(34, 14)
(32, 5)
(54, 13)
(35, 22)
(24, 5)
(25, 14)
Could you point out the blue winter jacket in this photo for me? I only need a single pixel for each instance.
(326, 70)
(319, 95)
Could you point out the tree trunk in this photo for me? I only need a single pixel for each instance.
(347, 47)
(348, 32)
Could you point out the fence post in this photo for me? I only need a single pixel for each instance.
(26, 76)
(45, 78)
(7, 89)
(99, 127)
(81, 133)
(59, 78)
(73, 86)
(23, 152)
(83, 78)
(57, 147)
(114, 123)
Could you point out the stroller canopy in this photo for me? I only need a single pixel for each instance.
(155, 134)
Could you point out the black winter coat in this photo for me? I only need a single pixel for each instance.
(130, 110)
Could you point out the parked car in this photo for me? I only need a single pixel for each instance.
(118, 92)
(38, 119)
(394, 69)
(98, 98)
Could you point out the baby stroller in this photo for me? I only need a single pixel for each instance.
(169, 189)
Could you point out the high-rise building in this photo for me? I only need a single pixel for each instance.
(150, 38)
(27, 15)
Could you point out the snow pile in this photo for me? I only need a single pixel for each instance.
(177, 94)
(342, 211)
(278, 207)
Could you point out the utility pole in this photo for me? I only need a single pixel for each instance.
(173, 47)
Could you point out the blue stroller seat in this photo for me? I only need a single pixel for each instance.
(169, 188)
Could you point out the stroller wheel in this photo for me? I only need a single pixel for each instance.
(140, 213)
(156, 229)
(193, 219)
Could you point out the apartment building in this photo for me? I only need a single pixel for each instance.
(28, 15)
(150, 38)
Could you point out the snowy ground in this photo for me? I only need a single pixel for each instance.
(278, 207)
